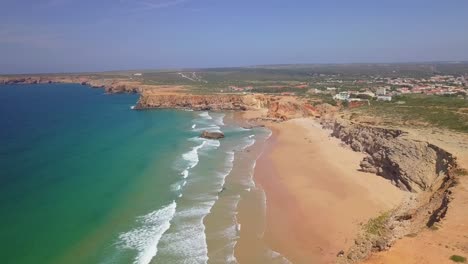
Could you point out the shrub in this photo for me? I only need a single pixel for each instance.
(376, 226)
(459, 259)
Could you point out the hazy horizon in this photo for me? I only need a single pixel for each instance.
(162, 69)
(63, 36)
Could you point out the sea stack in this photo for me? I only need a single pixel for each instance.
(212, 135)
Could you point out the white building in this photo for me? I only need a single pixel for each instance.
(384, 98)
(342, 96)
(381, 91)
(138, 74)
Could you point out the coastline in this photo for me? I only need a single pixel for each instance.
(310, 201)
(316, 199)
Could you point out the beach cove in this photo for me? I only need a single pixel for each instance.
(317, 200)
(289, 182)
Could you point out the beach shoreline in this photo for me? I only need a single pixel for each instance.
(316, 199)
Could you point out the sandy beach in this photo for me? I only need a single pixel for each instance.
(316, 197)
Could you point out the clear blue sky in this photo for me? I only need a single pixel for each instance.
(98, 35)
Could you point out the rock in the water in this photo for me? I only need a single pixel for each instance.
(212, 135)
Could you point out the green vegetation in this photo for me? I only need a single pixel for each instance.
(376, 226)
(457, 258)
(322, 98)
(440, 111)
(343, 76)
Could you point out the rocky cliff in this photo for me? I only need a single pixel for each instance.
(411, 165)
(201, 102)
(426, 171)
(109, 85)
(276, 107)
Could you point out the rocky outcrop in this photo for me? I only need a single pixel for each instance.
(276, 107)
(411, 165)
(212, 135)
(287, 109)
(109, 85)
(202, 102)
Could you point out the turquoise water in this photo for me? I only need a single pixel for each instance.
(85, 179)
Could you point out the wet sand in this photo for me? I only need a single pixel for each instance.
(316, 199)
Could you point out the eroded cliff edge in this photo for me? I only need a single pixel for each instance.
(270, 107)
(427, 172)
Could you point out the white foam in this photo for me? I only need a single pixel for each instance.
(229, 165)
(210, 127)
(194, 126)
(145, 238)
(185, 174)
(205, 115)
(207, 143)
(233, 231)
(192, 155)
(239, 129)
(249, 142)
(273, 255)
(252, 182)
(219, 119)
(186, 243)
(213, 144)
(248, 182)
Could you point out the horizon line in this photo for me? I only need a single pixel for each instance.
(163, 69)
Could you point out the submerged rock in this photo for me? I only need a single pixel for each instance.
(212, 135)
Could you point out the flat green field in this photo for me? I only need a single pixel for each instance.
(421, 110)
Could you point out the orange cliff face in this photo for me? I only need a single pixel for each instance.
(201, 102)
(178, 97)
(276, 107)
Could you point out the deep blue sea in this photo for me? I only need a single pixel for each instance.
(85, 179)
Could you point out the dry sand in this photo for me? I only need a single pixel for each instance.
(316, 197)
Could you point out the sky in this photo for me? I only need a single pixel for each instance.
(41, 36)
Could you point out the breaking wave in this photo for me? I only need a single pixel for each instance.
(145, 238)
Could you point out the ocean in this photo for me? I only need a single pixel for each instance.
(86, 179)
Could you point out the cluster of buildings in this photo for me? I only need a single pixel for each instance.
(432, 90)
(240, 89)
(356, 96)
(436, 85)
(383, 89)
